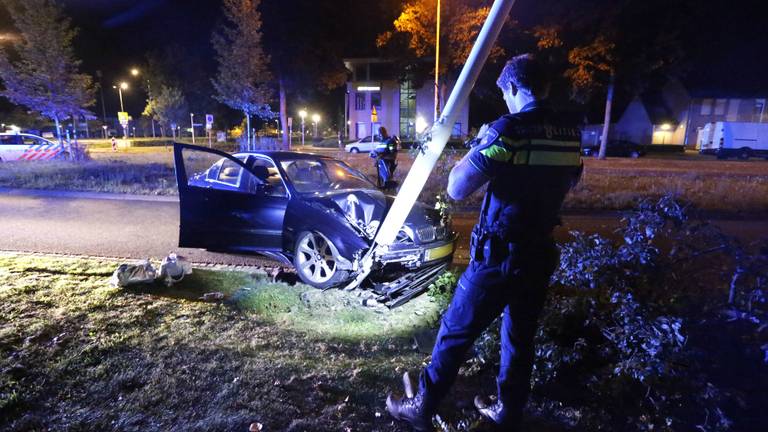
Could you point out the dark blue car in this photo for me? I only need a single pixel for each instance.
(314, 212)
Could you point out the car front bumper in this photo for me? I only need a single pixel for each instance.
(414, 256)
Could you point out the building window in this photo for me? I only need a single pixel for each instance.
(361, 130)
(706, 107)
(720, 106)
(376, 99)
(456, 132)
(407, 110)
(360, 101)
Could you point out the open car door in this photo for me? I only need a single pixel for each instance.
(228, 203)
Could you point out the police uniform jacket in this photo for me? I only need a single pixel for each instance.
(532, 159)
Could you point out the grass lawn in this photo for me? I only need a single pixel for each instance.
(78, 354)
(613, 184)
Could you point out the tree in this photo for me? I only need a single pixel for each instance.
(414, 36)
(168, 107)
(43, 75)
(611, 45)
(322, 46)
(243, 79)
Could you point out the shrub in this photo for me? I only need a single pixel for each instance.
(614, 350)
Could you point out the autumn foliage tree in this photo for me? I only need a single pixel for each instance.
(610, 45)
(243, 81)
(414, 36)
(42, 73)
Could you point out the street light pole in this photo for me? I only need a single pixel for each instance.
(192, 121)
(120, 93)
(437, 65)
(303, 115)
(315, 121)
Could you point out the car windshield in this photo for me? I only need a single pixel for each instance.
(323, 175)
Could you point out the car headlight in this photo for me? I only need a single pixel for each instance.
(406, 235)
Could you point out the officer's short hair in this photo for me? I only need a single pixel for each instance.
(526, 73)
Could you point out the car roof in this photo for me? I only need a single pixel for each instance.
(282, 155)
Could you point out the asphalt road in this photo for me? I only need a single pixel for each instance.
(121, 227)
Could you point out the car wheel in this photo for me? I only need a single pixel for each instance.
(316, 261)
(634, 154)
(354, 150)
(744, 154)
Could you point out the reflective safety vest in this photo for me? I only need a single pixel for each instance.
(532, 160)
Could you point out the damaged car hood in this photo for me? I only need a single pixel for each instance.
(367, 208)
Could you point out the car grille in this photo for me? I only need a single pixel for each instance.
(431, 233)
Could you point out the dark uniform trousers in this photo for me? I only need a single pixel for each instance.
(517, 287)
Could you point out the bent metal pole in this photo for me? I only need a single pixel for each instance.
(439, 135)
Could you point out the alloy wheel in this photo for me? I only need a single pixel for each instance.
(315, 258)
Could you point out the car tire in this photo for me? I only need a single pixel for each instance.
(634, 154)
(354, 150)
(744, 154)
(316, 261)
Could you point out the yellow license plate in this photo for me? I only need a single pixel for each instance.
(439, 252)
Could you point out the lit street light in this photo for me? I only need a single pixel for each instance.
(192, 121)
(303, 115)
(123, 86)
(135, 72)
(315, 121)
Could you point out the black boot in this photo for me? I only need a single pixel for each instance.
(414, 409)
(497, 413)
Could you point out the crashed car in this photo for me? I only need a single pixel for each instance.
(314, 212)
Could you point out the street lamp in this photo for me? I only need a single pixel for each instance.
(192, 120)
(122, 86)
(303, 115)
(136, 72)
(315, 121)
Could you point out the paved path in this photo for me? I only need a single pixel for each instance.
(112, 225)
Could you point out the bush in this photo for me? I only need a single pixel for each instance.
(633, 336)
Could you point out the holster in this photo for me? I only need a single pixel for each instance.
(487, 248)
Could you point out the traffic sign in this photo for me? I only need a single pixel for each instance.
(123, 118)
(209, 121)
(290, 122)
(374, 115)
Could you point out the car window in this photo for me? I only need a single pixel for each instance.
(267, 172)
(211, 171)
(323, 175)
(229, 173)
(10, 140)
(28, 140)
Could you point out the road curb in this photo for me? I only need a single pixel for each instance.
(52, 193)
(255, 269)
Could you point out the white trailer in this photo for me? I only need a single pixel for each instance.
(736, 139)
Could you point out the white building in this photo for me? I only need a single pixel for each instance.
(675, 114)
(400, 107)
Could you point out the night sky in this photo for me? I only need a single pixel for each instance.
(728, 39)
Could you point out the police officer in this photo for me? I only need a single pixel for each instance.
(530, 160)
(386, 157)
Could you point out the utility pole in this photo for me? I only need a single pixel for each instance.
(437, 65)
(440, 133)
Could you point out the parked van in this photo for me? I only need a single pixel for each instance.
(737, 139)
(704, 137)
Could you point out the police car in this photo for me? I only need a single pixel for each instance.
(21, 146)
